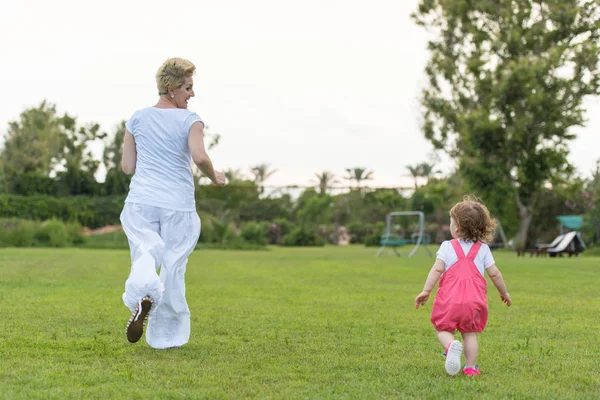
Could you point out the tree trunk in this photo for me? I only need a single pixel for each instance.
(525, 217)
(439, 219)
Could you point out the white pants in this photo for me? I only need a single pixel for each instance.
(160, 238)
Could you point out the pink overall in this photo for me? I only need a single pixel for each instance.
(461, 299)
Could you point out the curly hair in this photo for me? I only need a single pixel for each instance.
(473, 220)
(172, 74)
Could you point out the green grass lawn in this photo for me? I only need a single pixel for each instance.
(292, 324)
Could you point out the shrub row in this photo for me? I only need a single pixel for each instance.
(52, 233)
(93, 212)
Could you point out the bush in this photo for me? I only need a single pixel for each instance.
(327, 233)
(75, 234)
(236, 244)
(53, 233)
(254, 232)
(206, 229)
(373, 240)
(359, 231)
(592, 252)
(302, 237)
(223, 232)
(93, 212)
(278, 229)
(33, 183)
(284, 225)
(18, 233)
(113, 240)
(26, 233)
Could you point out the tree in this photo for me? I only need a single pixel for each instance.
(31, 149)
(325, 180)
(116, 181)
(261, 173)
(425, 170)
(593, 195)
(428, 171)
(415, 172)
(76, 159)
(113, 149)
(316, 210)
(359, 174)
(42, 144)
(234, 175)
(211, 138)
(506, 83)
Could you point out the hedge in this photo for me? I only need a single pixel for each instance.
(92, 212)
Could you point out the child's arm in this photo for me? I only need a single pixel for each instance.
(496, 277)
(436, 271)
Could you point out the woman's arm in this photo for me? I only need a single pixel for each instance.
(129, 157)
(200, 156)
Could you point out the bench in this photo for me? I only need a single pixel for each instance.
(540, 252)
(393, 240)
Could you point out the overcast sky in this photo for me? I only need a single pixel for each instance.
(304, 86)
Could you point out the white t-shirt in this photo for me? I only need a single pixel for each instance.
(483, 259)
(163, 171)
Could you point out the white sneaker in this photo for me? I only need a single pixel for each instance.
(453, 357)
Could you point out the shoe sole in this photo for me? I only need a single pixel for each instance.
(453, 358)
(135, 326)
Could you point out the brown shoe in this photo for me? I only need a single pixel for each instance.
(135, 325)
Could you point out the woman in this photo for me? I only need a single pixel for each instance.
(159, 216)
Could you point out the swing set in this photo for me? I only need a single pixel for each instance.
(393, 241)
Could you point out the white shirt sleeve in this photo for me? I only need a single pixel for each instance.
(488, 258)
(132, 123)
(445, 253)
(189, 121)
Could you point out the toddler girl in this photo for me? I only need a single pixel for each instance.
(461, 300)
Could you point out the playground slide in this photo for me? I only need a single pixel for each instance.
(554, 243)
(568, 238)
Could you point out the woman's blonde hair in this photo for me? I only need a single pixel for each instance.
(172, 74)
(473, 220)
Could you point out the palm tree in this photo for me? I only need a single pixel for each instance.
(325, 180)
(427, 171)
(349, 176)
(415, 172)
(234, 175)
(261, 173)
(359, 174)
